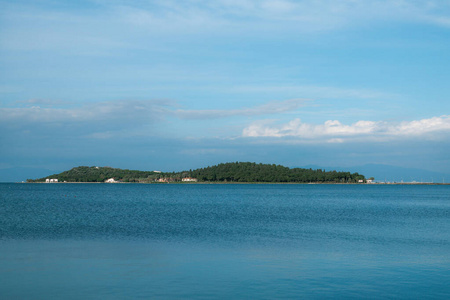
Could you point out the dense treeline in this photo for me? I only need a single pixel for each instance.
(252, 172)
(227, 172)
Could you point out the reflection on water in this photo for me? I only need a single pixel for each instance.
(230, 241)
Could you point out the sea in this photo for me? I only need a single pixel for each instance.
(224, 241)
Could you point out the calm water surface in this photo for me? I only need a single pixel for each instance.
(91, 241)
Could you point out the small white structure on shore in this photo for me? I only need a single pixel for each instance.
(189, 179)
(369, 181)
(51, 180)
(360, 181)
(111, 180)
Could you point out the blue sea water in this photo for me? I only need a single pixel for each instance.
(257, 241)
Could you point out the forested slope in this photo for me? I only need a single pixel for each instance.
(226, 172)
(252, 172)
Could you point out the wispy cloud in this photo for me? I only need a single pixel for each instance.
(42, 102)
(316, 91)
(335, 131)
(273, 107)
(109, 112)
(32, 26)
(302, 16)
(50, 111)
(117, 119)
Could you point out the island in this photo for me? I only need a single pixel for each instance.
(232, 172)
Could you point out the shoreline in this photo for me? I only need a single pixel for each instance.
(340, 183)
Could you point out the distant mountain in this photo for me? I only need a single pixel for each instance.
(390, 173)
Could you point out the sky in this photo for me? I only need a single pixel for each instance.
(177, 85)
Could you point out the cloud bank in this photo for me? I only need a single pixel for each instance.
(135, 111)
(335, 131)
(103, 120)
(129, 115)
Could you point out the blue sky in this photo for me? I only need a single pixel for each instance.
(172, 85)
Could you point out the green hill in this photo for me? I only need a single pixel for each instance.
(97, 174)
(226, 172)
(252, 172)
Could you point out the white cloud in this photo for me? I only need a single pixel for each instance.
(334, 131)
(422, 126)
(109, 119)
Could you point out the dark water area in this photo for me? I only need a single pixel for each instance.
(260, 241)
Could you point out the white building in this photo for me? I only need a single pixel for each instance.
(111, 180)
(189, 179)
(51, 180)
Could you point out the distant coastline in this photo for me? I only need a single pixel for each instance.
(219, 182)
(239, 183)
(226, 173)
(234, 172)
